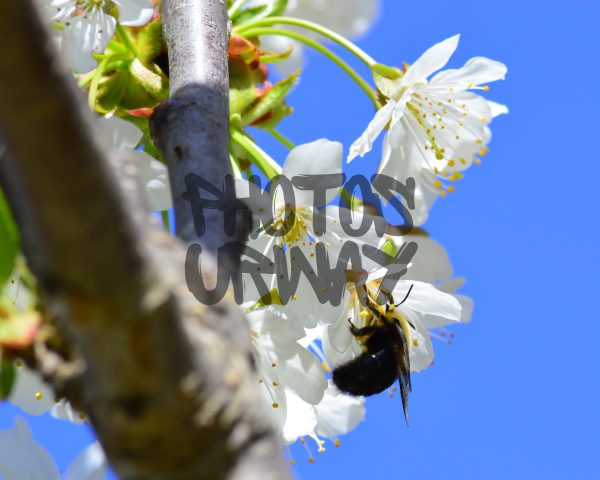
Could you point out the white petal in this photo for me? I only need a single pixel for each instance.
(421, 348)
(431, 61)
(425, 298)
(84, 36)
(338, 414)
(467, 306)
(122, 134)
(135, 13)
(301, 419)
(477, 71)
(91, 464)
(431, 263)
(64, 411)
(22, 458)
(365, 143)
(497, 108)
(154, 178)
(339, 345)
(300, 371)
(320, 157)
(28, 383)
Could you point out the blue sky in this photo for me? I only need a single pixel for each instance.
(517, 393)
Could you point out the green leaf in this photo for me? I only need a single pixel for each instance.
(9, 241)
(272, 99)
(7, 378)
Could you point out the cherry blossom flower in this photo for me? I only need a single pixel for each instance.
(437, 127)
(88, 26)
(320, 157)
(285, 368)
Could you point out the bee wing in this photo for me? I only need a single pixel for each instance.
(404, 371)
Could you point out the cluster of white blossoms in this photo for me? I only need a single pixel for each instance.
(84, 27)
(436, 126)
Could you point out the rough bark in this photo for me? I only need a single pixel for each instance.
(166, 382)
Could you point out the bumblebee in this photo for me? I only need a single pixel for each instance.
(385, 358)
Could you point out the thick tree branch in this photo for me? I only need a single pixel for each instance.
(166, 381)
(192, 128)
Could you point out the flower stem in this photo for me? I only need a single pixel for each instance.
(236, 7)
(95, 82)
(361, 82)
(126, 39)
(260, 158)
(314, 27)
(281, 138)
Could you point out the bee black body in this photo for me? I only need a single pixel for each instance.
(376, 369)
(383, 361)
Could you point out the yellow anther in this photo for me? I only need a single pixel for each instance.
(294, 297)
(311, 459)
(450, 188)
(275, 384)
(336, 442)
(326, 367)
(437, 184)
(477, 161)
(416, 342)
(273, 365)
(19, 363)
(275, 405)
(442, 193)
(483, 152)
(450, 163)
(292, 462)
(486, 88)
(82, 416)
(38, 395)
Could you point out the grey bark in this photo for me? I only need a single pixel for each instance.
(191, 128)
(166, 382)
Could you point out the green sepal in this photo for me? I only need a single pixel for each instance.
(390, 248)
(274, 57)
(242, 86)
(9, 241)
(149, 41)
(271, 100)
(136, 87)
(7, 378)
(271, 298)
(392, 73)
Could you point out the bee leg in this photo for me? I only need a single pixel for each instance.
(360, 332)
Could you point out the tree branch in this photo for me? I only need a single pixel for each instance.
(166, 382)
(191, 129)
